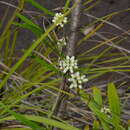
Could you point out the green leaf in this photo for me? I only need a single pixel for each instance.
(114, 104)
(96, 125)
(44, 120)
(16, 129)
(45, 64)
(22, 118)
(27, 21)
(97, 96)
(37, 5)
(95, 108)
(66, 5)
(93, 105)
(35, 30)
(105, 125)
(33, 46)
(86, 127)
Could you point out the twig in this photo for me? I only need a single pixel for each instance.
(75, 16)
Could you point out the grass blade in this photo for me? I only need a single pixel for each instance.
(44, 120)
(22, 118)
(37, 5)
(114, 104)
(35, 30)
(26, 20)
(97, 96)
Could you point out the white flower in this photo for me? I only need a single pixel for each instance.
(105, 110)
(76, 80)
(68, 64)
(61, 42)
(57, 17)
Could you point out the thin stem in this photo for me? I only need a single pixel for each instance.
(60, 104)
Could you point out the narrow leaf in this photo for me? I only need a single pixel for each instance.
(35, 30)
(45, 120)
(37, 5)
(96, 125)
(26, 20)
(97, 96)
(45, 64)
(114, 103)
(21, 118)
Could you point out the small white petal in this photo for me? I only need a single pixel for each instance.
(72, 75)
(64, 42)
(102, 110)
(76, 67)
(80, 86)
(75, 85)
(72, 58)
(61, 25)
(65, 70)
(83, 76)
(77, 74)
(85, 80)
(79, 81)
(67, 57)
(65, 20)
(71, 70)
(58, 43)
(69, 79)
(71, 86)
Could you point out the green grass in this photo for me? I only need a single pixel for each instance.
(31, 81)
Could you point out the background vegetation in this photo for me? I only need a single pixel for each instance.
(33, 94)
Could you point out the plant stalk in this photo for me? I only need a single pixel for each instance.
(60, 105)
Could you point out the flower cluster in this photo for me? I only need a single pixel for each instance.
(76, 80)
(61, 42)
(57, 17)
(69, 64)
(105, 110)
